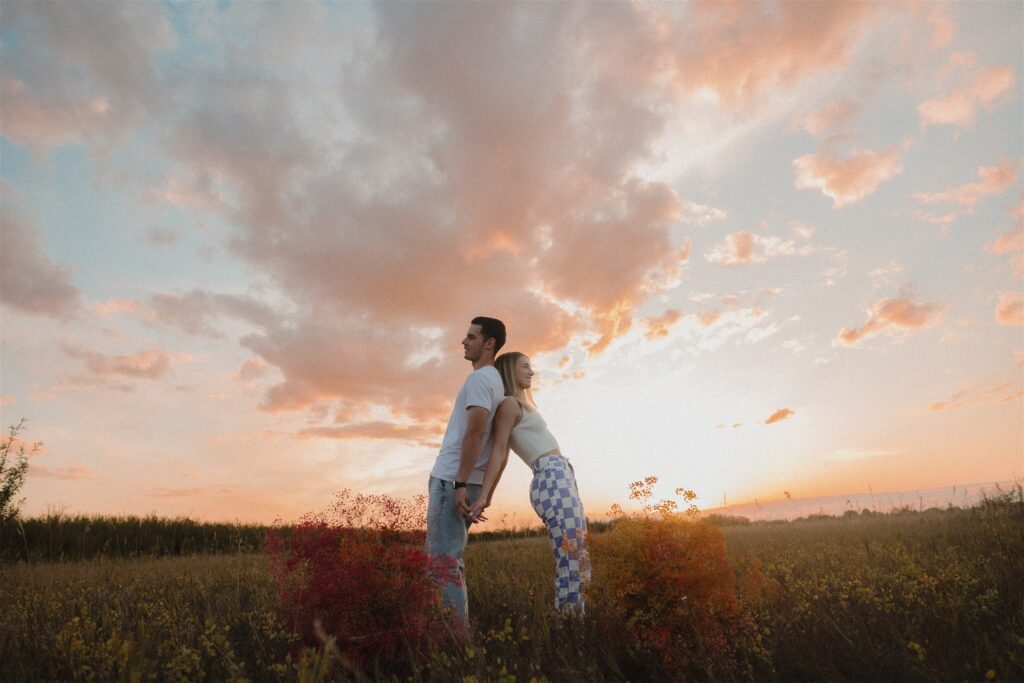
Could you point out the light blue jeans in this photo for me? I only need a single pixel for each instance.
(447, 533)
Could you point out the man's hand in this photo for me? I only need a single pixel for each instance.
(462, 501)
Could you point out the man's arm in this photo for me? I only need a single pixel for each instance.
(472, 444)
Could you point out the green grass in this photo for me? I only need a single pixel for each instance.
(930, 596)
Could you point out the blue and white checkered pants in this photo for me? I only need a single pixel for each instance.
(556, 500)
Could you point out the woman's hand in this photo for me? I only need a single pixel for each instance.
(476, 510)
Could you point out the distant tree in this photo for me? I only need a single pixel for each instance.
(12, 475)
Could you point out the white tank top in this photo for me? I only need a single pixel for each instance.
(531, 438)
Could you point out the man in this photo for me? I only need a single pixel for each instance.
(459, 469)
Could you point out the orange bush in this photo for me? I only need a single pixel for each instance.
(664, 593)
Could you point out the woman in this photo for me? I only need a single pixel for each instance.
(553, 492)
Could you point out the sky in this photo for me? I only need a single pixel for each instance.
(766, 251)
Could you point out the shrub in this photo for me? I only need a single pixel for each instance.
(664, 593)
(358, 574)
(12, 474)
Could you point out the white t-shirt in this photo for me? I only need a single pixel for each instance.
(482, 388)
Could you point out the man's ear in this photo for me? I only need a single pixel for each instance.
(489, 344)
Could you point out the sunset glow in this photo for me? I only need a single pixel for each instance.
(751, 248)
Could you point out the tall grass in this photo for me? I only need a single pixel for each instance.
(59, 537)
(917, 596)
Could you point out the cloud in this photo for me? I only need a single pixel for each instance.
(848, 178)
(415, 434)
(84, 71)
(659, 326)
(152, 364)
(427, 164)
(943, 27)
(196, 194)
(799, 229)
(161, 237)
(8, 400)
(891, 315)
(70, 473)
(993, 181)
(742, 51)
(989, 88)
(779, 415)
(1010, 310)
(30, 280)
(943, 221)
(854, 454)
(1011, 242)
(523, 207)
(829, 116)
(195, 312)
(252, 369)
(1003, 392)
(111, 307)
(742, 248)
(700, 214)
(172, 492)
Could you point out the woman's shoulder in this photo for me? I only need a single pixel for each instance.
(511, 406)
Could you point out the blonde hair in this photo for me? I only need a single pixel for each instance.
(505, 364)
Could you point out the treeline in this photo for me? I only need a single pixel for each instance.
(67, 538)
(62, 538)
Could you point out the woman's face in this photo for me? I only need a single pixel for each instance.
(524, 373)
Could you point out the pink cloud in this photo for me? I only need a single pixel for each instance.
(111, 307)
(86, 70)
(943, 27)
(70, 473)
(709, 318)
(988, 88)
(848, 179)
(27, 119)
(7, 400)
(483, 187)
(195, 312)
(943, 221)
(151, 364)
(993, 180)
(995, 393)
(1012, 241)
(1010, 310)
(889, 315)
(779, 415)
(30, 280)
(741, 51)
(423, 435)
(172, 492)
(830, 115)
(742, 248)
(700, 214)
(194, 194)
(252, 369)
(658, 326)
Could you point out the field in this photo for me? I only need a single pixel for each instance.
(935, 595)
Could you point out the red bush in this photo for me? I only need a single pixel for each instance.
(360, 569)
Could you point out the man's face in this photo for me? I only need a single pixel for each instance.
(473, 344)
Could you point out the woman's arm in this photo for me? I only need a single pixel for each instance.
(508, 415)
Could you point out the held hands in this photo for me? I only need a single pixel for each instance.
(476, 510)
